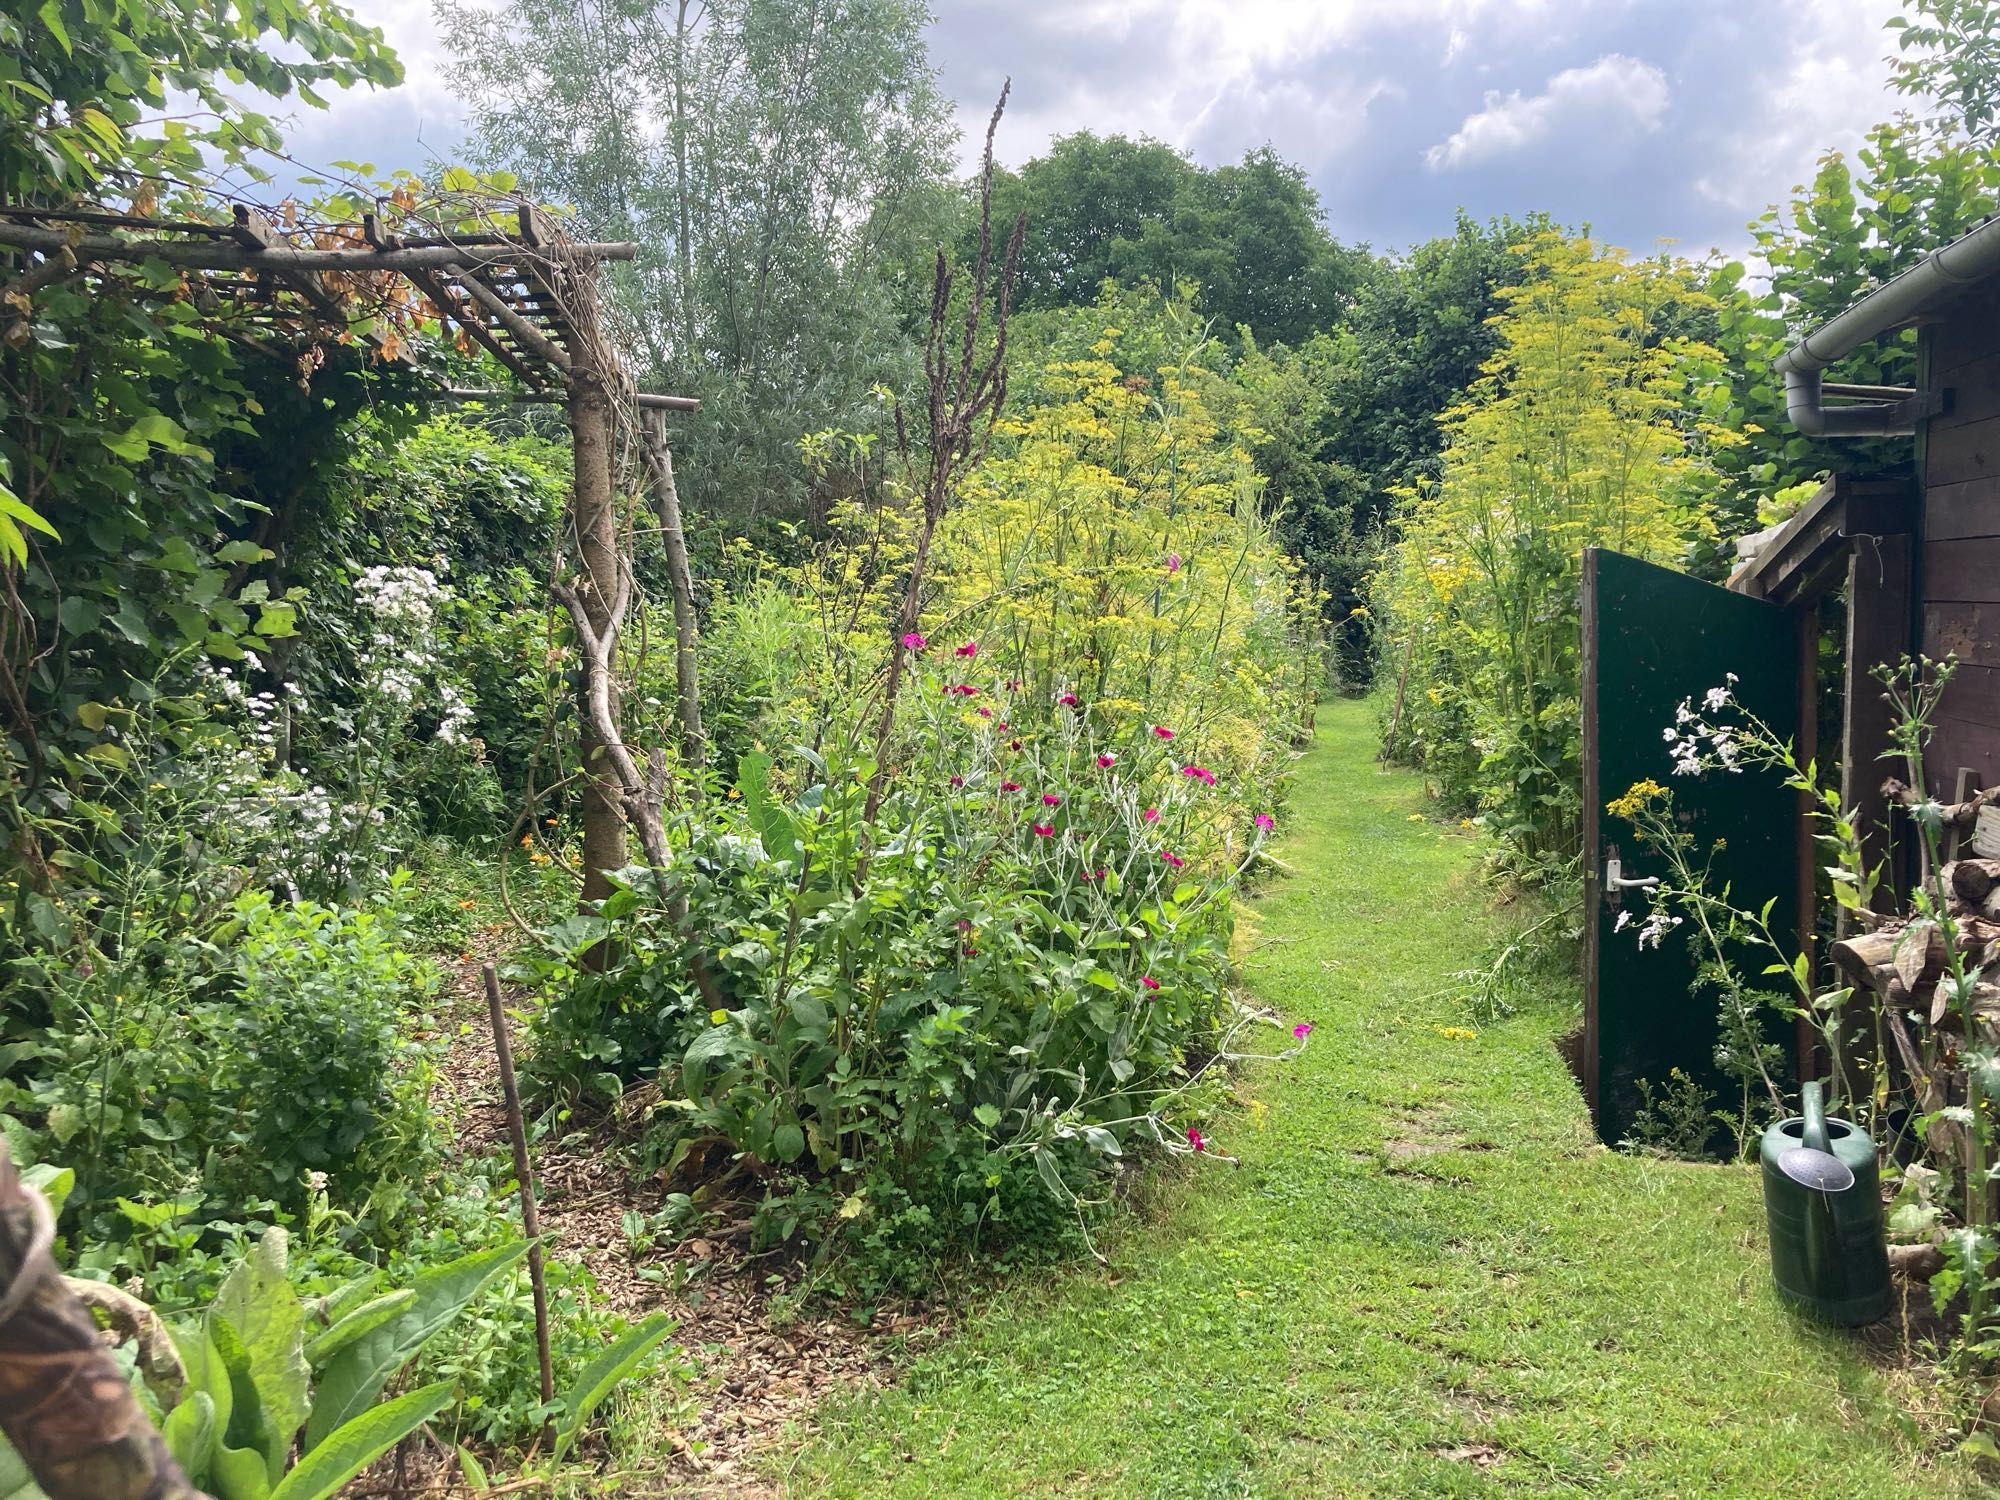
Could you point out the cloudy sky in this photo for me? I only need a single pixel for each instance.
(1651, 120)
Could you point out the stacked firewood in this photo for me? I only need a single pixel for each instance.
(1902, 967)
(1901, 964)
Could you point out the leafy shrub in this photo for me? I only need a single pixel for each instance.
(310, 1047)
(221, 1067)
(1004, 974)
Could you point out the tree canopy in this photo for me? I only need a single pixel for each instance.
(1252, 235)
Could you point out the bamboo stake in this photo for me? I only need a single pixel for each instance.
(531, 1220)
(64, 1404)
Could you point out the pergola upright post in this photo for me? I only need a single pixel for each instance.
(590, 419)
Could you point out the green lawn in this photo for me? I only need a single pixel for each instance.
(1425, 1278)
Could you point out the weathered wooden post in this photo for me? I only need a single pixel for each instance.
(64, 1403)
(660, 460)
(594, 510)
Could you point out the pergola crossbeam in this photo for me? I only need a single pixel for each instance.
(206, 255)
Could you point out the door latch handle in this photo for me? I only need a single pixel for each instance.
(1614, 878)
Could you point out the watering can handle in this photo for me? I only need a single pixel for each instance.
(1813, 1103)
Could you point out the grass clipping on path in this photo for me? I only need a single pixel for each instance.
(1426, 1278)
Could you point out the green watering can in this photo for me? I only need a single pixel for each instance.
(1825, 1207)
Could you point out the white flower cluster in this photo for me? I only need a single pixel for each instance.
(1695, 743)
(400, 665)
(257, 814)
(1654, 930)
(400, 598)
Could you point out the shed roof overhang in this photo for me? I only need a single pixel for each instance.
(1807, 558)
(1882, 411)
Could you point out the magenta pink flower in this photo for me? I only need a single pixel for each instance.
(1050, 799)
(969, 951)
(1003, 724)
(969, 649)
(914, 641)
(1173, 859)
(957, 781)
(1303, 1030)
(1195, 1139)
(963, 690)
(1013, 744)
(1160, 731)
(985, 713)
(1173, 562)
(1151, 815)
(1045, 830)
(1010, 786)
(1265, 821)
(1149, 981)
(1199, 773)
(1068, 700)
(1106, 761)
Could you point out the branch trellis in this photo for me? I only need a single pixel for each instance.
(499, 276)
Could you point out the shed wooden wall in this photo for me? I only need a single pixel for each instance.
(1958, 573)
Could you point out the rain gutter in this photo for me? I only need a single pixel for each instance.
(1881, 411)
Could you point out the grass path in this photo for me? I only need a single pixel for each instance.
(1425, 1279)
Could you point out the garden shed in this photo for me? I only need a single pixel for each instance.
(1900, 556)
(1919, 557)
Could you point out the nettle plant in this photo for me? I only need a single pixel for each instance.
(1017, 965)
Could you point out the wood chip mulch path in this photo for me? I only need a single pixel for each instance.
(759, 1373)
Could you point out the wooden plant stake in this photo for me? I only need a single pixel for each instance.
(531, 1221)
(64, 1404)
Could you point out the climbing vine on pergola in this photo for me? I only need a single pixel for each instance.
(488, 274)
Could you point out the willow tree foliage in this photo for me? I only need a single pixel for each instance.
(1584, 429)
(780, 163)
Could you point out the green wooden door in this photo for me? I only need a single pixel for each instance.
(1651, 638)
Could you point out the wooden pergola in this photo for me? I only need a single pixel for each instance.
(507, 279)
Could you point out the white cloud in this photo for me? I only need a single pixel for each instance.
(1618, 94)
(1823, 91)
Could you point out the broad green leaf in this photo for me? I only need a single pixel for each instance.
(16, 509)
(472, 1471)
(775, 828)
(354, 1378)
(189, 1431)
(788, 1143)
(51, 14)
(354, 1445)
(52, 1182)
(364, 1319)
(247, 1431)
(603, 1375)
(206, 1374)
(239, 1474)
(257, 1302)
